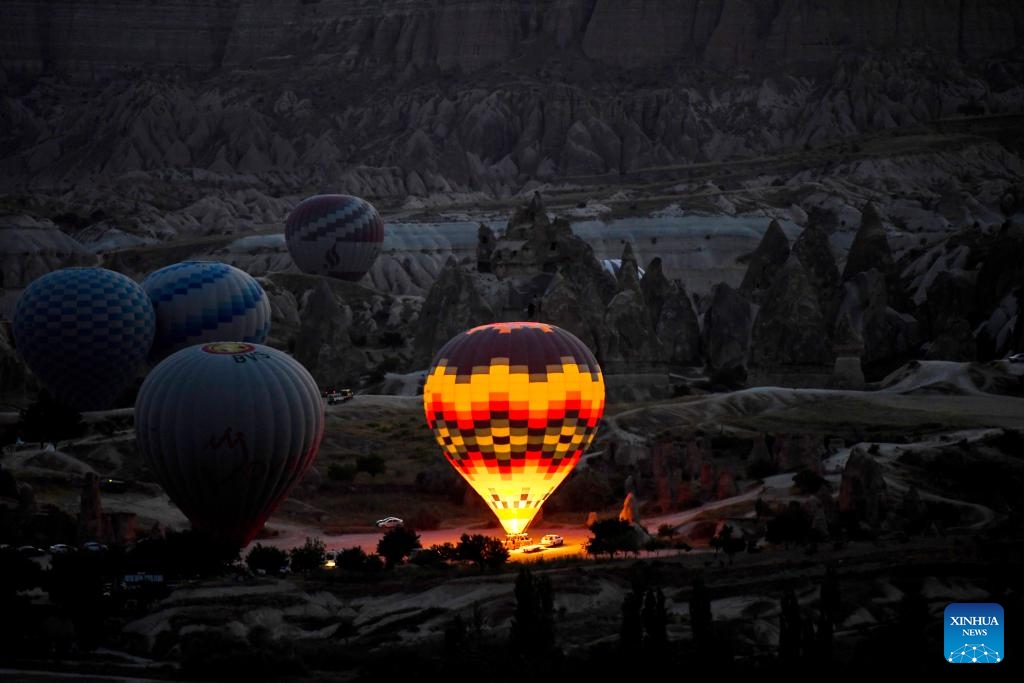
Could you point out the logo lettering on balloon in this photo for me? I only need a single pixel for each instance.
(228, 348)
(245, 468)
(253, 357)
(332, 258)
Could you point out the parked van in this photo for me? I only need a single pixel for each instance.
(513, 541)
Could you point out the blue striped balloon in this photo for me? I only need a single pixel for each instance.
(85, 333)
(205, 301)
(337, 235)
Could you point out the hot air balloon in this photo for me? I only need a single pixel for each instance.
(514, 405)
(229, 428)
(85, 333)
(205, 301)
(334, 234)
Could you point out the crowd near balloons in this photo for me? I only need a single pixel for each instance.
(230, 425)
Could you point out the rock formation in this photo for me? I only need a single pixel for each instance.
(862, 489)
(630, 343)
(848, 348)
(445, 37)
(888, 335)
(322, 343)
(93, 524)
(453, 305)
(789, 333)
(764, 263)
(726, 332)
(815, 253)
(675, 322)
(31, 248)
(870, 250)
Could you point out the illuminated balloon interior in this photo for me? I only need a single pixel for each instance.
(514, 406)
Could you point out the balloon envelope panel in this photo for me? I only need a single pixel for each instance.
(205, 301)
(84, 332)
(334, 234)
(229, 428)
(514, 406)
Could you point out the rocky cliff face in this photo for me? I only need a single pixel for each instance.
(408, 98)
(468, 35)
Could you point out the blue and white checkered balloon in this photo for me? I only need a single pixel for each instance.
(198, 302)
(85, 333)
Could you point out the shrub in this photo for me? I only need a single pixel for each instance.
(425, 519)
(311, 555)
(759, 468)
(371, 464)
(267, 558)
(808, 482)
(339, 472)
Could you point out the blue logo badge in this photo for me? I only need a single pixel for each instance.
(974, 633)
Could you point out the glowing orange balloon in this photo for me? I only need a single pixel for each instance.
(514, 406)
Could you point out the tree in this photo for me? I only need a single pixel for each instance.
(50, 419)
(339, 472)
(494, 553)
(631, 631)
(613, 536)
(75, 582)
(309, 556)
(17, 573)
(371, 464)
(395, 545)
(830, 597)
(808, 482)
(533, 623)
(725, 542)
(183, 553)
(484, 551)
(266, 558)
(790, 526)
(700, 613)
(655, 622)
(790, 628)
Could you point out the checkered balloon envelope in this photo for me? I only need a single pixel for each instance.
(336, 235)
(205, 301)
(513, 406)
(85, 333)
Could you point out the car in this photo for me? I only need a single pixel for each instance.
(533, 548)
(339, 396)
(1016, 357)
(93, 546)
(60, 549)
(389, 522)
(31, 551)
(551, 540)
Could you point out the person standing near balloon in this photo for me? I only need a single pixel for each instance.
(513, 406)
